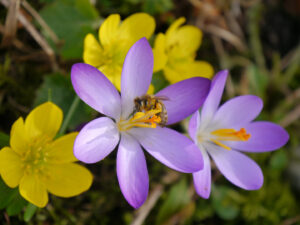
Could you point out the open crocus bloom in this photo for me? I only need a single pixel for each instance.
(225, 131)
(135, 128)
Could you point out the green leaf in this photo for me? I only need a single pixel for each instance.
(29, 212)
(159, 82)
(4, 140)
(71, 20)
(6, 194)
(278, 160)
(258, 80)
(16, 205)
(177, 199)
(62, 94)
(226, 207)
(157, 6)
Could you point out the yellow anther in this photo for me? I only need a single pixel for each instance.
(229, 135)
(148, 119)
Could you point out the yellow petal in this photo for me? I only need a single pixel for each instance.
(159, 54)
(18, 138)
(33, 190)
(186, 69)
(61, 150)
(173, 76)
(137, 26)
(174, 26)
(108, 31)
(185, 41)
(43, 122)
(150, 90)
(199, 69)
(10, 167)
(113, 73)
(92, 52)
(67, 180)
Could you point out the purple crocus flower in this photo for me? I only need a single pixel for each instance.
(224, 132)
(135, 129)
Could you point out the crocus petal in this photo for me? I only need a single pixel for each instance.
(61, 150)
(96, 90)
(214, 96)
(171, 148)
(10, 167)
(43, 122)
(238, 111)
(265, 136)
(237, 168)
(194, 125)
(202, 178)
(184, 97)
(96, 140)
(136, 74)
(68, 179)
(18, 137)
(132, 171)
(33, 190)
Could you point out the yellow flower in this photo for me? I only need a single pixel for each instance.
(115, 41)
(175, 52)
(37, 163)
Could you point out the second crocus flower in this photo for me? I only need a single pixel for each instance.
(133, 122)
(226, 131)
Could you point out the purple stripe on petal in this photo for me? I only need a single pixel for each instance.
(132, 171)
(171, 148)
(194, 125)
(214, 97)
(96, 90)
(265, 136)
(184, 97)
(202, 178)
(238, 111)
(96, 140)
(136, 74)
(238, 168)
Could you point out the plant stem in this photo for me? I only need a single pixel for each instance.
(69, 116)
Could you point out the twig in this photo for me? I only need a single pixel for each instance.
(226, 35)
(10, 28)
(291, 117)
(291, 220)
(41, 21)
(17, 43)
(146, 208)
(143, 212)
(36, 35)
(17, 105)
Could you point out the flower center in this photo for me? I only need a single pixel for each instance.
(148, 119)
(34, 159)
(229, 135)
